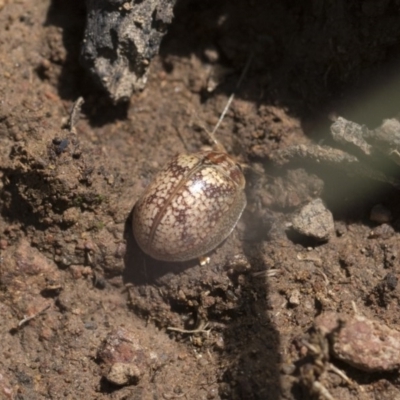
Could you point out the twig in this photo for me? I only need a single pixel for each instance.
(202, 329)
(337, 371)
(322, 390)
(74, 115)
(27, 319)
(267, 272)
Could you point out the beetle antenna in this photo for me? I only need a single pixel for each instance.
(228, 104)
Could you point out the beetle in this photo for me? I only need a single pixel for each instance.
(193, 203)
(191, 206)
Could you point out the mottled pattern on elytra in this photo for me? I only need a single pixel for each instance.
(190, 207)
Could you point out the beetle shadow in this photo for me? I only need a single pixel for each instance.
(252, 342)
(141, 269)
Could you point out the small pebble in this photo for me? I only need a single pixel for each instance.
(288, 369)
(92, 326)
(123, 374)
(71, 215)
(124, 359)
(383, 231)
(391, 281)
(314, 220)
(211, 54)
(365, 344)
(380, 214)
(294, 298)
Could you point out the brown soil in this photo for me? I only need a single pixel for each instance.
(68, 257)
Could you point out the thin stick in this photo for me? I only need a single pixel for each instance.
(27, 319)
(171, 328)
(74, 115)
(337, 371)
(322, 390)
(202, 329)
(267, 272)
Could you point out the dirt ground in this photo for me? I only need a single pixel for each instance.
(85, 314)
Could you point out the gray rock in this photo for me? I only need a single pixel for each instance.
(314, 220)
(121, 38)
